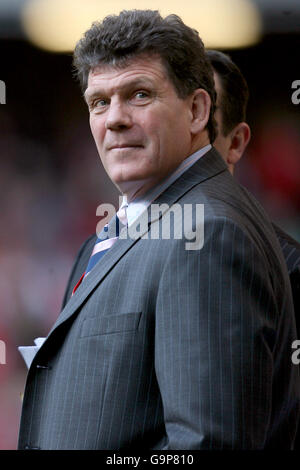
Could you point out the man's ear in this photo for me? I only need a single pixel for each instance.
(200, 108)
(240, 136)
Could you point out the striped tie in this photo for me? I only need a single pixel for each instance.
(105, 241)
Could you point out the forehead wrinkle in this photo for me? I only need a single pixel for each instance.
(143, 75)
(129, 83)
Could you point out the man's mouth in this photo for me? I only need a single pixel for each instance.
(125, 146)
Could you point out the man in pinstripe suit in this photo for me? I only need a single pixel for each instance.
(161, 347)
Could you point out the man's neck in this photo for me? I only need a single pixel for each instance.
(136, 189)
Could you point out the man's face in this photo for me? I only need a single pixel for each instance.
(140, 126)
(222, 143)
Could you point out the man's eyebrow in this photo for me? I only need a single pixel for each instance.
(89, 96)
(138, 82)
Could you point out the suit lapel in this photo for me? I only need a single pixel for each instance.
(94, 278)
(208, 166)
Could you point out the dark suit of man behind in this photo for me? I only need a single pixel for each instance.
(291, 251)
(162, 347)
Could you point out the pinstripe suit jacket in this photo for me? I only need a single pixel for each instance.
(165, 348)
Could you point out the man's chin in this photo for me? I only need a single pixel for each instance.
(134, 187)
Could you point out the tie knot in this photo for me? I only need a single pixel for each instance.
(122, 214)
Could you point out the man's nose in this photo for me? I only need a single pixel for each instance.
(118, 116)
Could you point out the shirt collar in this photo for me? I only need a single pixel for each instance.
(140, 204)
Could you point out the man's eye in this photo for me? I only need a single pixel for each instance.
(100, 103)
(142, 94)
